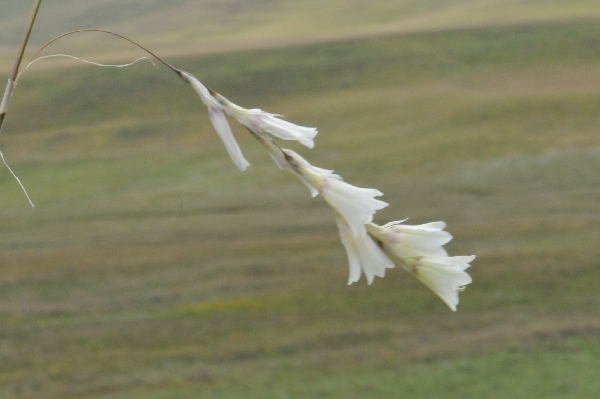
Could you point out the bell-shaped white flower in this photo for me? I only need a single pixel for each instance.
(218, 120)
(363, 254)
(419, 250)
(356, 205)
(444, 275)
(261, 121)
(424, 239)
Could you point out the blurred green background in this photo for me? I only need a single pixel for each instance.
(152, 268)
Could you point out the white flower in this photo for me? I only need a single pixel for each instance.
(218, 120)
(424, 239)
(419, 250)
(444, 275)
(354, 208)
(363, 254)
(261, 121)
(355, 204)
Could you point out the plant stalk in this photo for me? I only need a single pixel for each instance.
(15, 71)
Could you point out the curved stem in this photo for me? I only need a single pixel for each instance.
(15, 74)
(171, 67)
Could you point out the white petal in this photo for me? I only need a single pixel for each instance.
(353, 258)
(422, 239)
(426, 240)
(264, 121)
(363, 254)
(307, 166)
(222, 127)
(413, 245)
(288, 131)
(355, 204)
(406, 240)
(436, 283)
(217, 117)
(444, 275)
(419, 250)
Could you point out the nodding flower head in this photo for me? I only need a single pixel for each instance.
(419, 250)
(355, 205)
(444, 275)
(421, 240)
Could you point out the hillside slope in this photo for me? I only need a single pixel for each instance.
(210, 25)
(153, 268)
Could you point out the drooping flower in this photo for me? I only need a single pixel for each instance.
(261, 121)
(419, 250)
(444, 275)
(421, 240)
(363, 254)
(218, 120)
(356, 205)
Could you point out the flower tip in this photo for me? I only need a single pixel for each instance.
(243, 165)
(308, 143)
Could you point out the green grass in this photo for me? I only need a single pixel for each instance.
(152, 268)
(197, 26)
(537, 371)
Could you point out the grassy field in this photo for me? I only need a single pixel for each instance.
(201, 26)
(152, 268)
